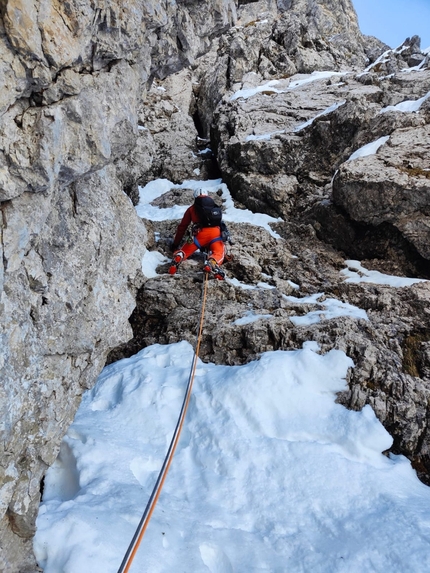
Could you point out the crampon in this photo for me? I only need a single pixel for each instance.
(211, 266)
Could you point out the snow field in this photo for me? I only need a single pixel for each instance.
(270, 473)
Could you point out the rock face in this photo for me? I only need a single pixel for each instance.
(281, 279)
(69, 257)
(342, 157)
(286, 148)
(71, 243)
(393, 186)
(274, 40)
(99, 97)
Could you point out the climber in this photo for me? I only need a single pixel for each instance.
(205, 216)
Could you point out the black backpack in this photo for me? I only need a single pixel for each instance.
(208, 212)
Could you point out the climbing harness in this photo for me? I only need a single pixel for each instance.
(141, 528)
(199, 246)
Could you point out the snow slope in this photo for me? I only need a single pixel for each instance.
(270, 475)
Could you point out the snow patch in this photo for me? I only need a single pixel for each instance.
(407, 106)
(263, 136)
(325, 112)
(250, 317)
(356, 273)
(269, 87)
(369, 149)
(331, 308)
(159, 187)
(151, 260)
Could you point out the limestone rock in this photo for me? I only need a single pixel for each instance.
(389, 348)
(61, 142)
(392, 186)
(266, 139)
(68, 259)
(278, 41)
(74, 75)
(278, 150)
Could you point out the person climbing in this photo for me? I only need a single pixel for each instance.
(206, 219)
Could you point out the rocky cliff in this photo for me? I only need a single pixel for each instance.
(99, 96)
(73, 76)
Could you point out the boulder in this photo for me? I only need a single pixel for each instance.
(391, 186)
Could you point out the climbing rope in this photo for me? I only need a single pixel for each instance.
(141, 528)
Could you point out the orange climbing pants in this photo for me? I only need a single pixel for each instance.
(203, 239)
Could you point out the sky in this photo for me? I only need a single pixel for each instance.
(392, 21)
(270, 474)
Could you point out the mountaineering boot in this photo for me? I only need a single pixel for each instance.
(177, 259)
(211, 266)
(220, 274)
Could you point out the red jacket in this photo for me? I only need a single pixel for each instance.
(190, 216)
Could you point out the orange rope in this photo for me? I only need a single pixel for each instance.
(141, 528)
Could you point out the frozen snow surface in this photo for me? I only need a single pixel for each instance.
(356, 273)
(263, 136)
(331, 308)
(260, 285)
(150, 262)
(294, 82)
(322, 113)
(270, 474)
(249, 317)
(407, 106)
(369, 149)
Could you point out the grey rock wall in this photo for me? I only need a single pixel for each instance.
(73, 80)
(274, 40)
(286, 151)
(71, 262)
